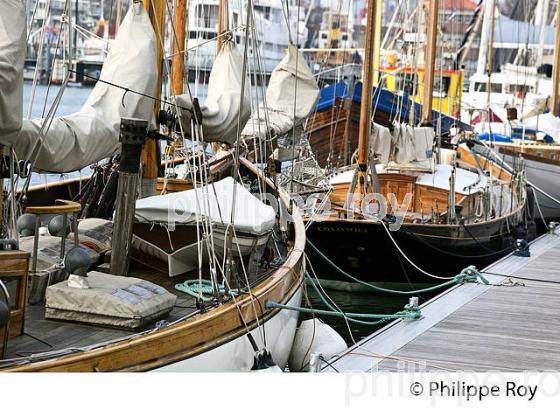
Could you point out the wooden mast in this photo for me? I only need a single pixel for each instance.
(178, 68)
(222, 12)
(119, 16)
(490, 66)
(556, 67)
(430, 63)
(377, 46)
(150, 158)
(366, 110)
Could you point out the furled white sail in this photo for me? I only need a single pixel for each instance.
(12, 57)
(221, 111)
(83, 138)
(291, 95)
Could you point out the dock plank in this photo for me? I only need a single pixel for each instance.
(507, 326)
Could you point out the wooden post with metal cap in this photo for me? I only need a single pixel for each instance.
(133, 133)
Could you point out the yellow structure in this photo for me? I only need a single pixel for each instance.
(448, 86)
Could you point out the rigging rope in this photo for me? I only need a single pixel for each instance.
(409, 260)
(469, 274)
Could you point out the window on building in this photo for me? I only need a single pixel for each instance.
(407, 82)
(441, 86)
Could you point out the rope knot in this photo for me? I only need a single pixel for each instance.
(470, 275)
(412, 312)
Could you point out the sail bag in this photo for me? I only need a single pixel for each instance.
(75, 141)
(222, 111)
(291, 95)
(12, 58)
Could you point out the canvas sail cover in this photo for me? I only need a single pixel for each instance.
(75, 141)
(222, 113)
(213, 202)
(12, 57)
(291, 95)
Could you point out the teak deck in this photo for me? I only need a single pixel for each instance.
(474, 327)
(45, 335)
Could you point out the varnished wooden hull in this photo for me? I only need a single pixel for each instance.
(364, 249)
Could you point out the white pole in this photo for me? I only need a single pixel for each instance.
(543, 22)
(481, 64)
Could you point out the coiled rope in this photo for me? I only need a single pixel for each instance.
(198, 288)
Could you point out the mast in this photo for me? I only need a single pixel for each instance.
(223, 14)
(119, 16)
(76, 23)
(556, 67)
(367, 94)
(490, 67)
(543, 22)
(481, 64)
(377, 46)
(150, 159)
(431, 41)
(178, 68)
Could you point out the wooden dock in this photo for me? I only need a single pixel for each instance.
(510, 325)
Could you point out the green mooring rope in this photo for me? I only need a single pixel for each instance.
(409, 312)
(469, 274)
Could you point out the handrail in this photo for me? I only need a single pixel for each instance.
(61, 206)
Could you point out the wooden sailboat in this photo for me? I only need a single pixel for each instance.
(447, 208)
(535, 139)
(226, 330)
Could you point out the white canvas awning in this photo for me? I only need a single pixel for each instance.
(214, 202)
(12, 58)
(75, 141)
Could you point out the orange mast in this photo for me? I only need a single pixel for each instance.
(366, 110)
(150, 158)
(179, 47)
(430, 63)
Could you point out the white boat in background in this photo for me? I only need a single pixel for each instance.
(520, 49)
(537, 141)
(270, 24)
(519, 87)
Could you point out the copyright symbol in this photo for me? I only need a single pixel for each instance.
(416, 389)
